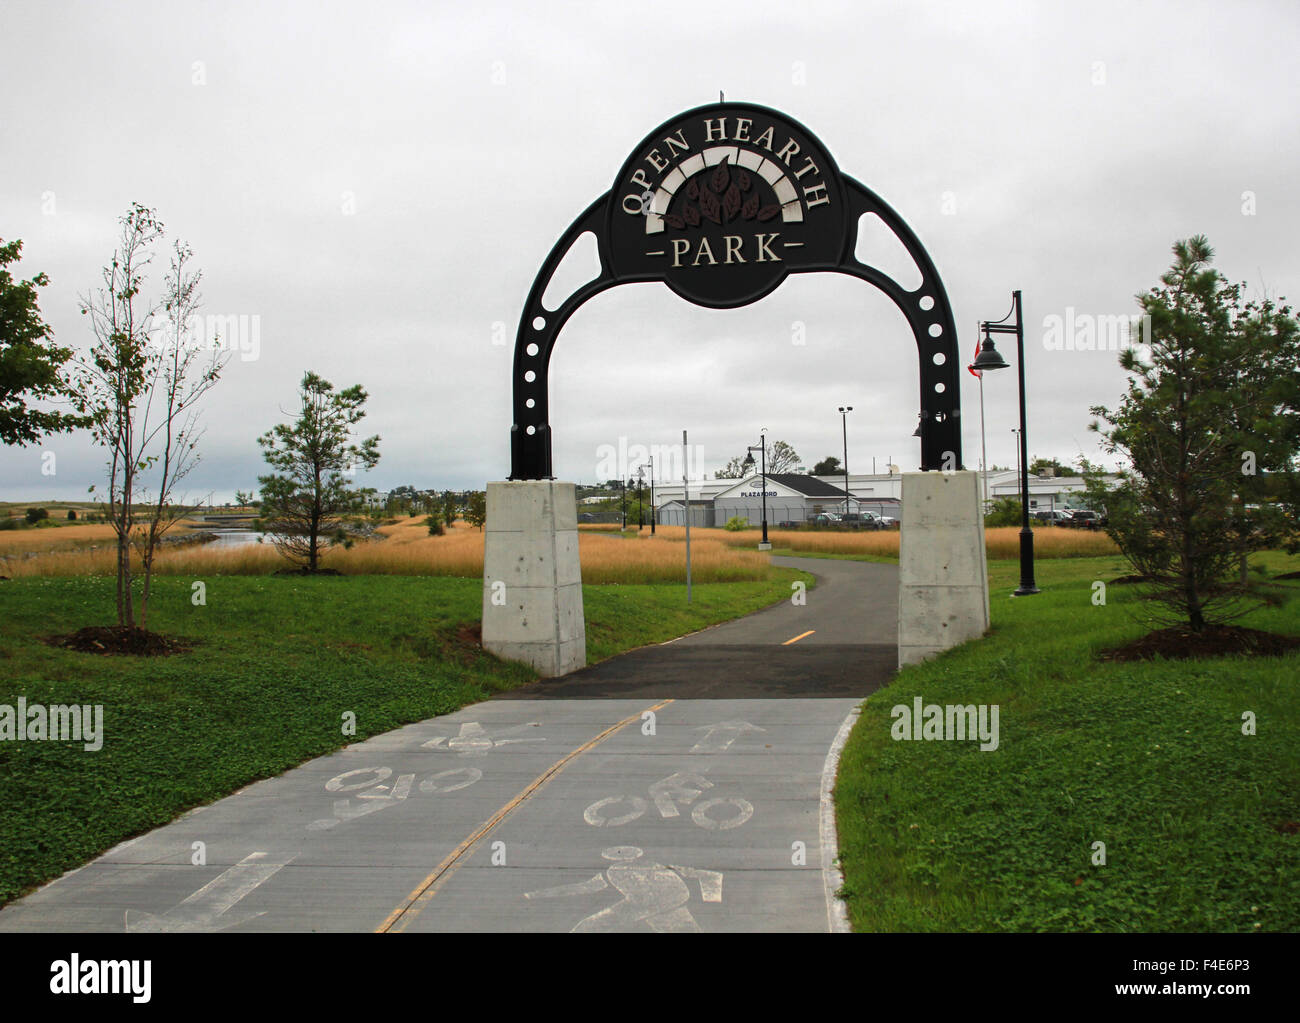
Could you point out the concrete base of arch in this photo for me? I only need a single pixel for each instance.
(532, 580)
(943, 594)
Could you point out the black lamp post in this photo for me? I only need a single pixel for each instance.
(989, 358)
(844, 419)
(651, 463)
(640, 506)
(622, 485)
(748, 466)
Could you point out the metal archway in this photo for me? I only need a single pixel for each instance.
(711, 192)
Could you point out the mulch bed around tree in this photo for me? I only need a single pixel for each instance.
(1288, 575)
(1131, 580)
(120, 639)
(1178, 644)
(307, 571)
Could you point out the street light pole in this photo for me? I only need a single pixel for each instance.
(760, 447)
(651, 463)
(989, 358)
(844, 419)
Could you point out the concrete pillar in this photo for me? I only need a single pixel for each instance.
(532, 581)
(943, 596)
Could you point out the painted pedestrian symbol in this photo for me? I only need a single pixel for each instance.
(653, 894)
(474, 740)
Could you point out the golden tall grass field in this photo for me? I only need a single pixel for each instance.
(408, 549)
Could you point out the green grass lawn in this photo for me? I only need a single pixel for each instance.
(1147, 758)
(276, 663)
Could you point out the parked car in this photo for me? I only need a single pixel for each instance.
(888, 522)
(860, 520)
(1051, 518)
(1084, 518)
(825, 519)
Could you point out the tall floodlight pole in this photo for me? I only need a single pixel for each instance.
(989, 358)
(844, 419)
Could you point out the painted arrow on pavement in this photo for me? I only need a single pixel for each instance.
(720, 736)
(205, 910)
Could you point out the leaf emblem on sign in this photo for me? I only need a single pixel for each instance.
(720, 195)
(721, 178)
(731, 201)
(710, 207)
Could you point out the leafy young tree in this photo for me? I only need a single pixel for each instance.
(781, 457)
(30, 363)
(476, 509)
(304, 499)
(733, 470)
(1213, 402)
(139, 384)
(450, 508)
(828, 466)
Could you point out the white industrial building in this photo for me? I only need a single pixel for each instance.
(792, 497)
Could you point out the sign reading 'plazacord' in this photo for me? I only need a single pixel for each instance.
(722, 203)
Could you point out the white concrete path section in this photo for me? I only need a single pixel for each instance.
(511, 815)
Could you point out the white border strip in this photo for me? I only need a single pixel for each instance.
(837, 913)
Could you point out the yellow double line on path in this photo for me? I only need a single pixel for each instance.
(401, 917)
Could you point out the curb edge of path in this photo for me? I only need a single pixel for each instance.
(837, 911)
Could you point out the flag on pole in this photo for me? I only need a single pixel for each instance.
(971, 369)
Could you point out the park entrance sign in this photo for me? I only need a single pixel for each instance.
(721, 204)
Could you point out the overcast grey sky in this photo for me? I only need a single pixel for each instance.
(379, 183)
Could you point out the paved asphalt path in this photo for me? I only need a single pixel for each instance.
(680, 787)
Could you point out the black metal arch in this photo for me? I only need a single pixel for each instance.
(925, 308)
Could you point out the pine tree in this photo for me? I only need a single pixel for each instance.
(1213, 403)
(304, 499)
